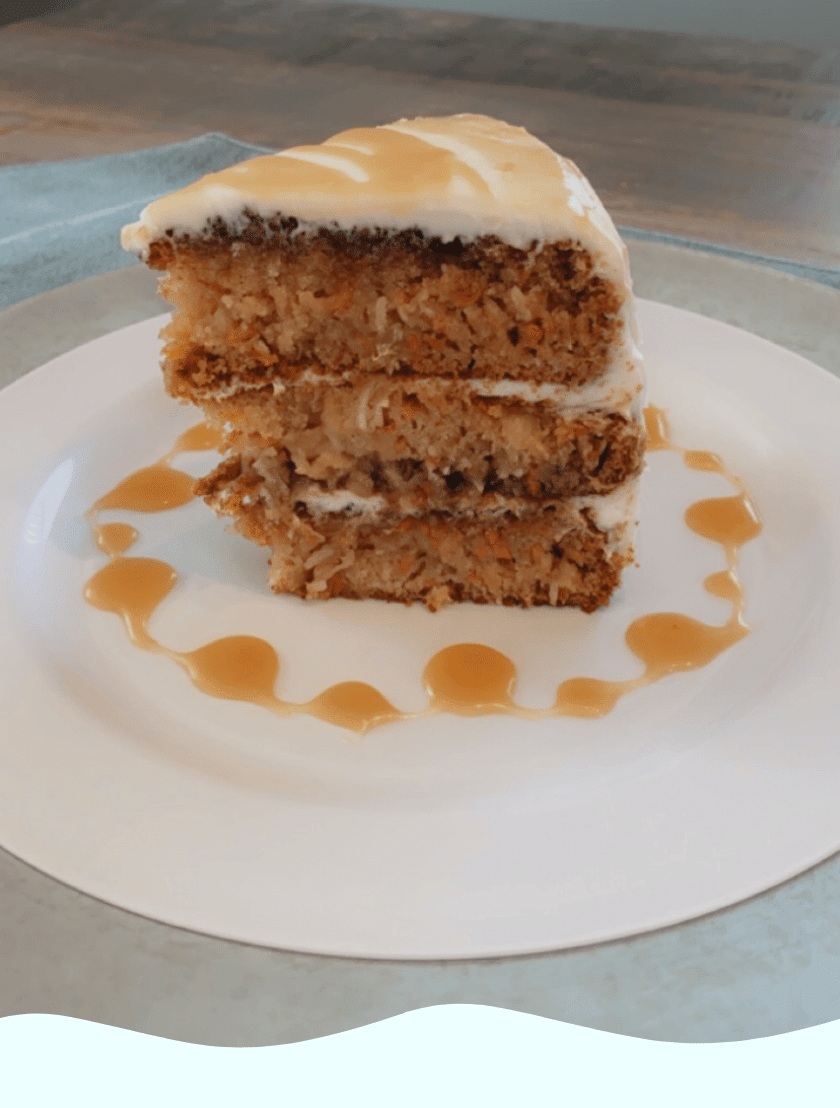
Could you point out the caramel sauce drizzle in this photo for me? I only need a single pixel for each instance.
(380, 164)
(466, 679)
(370, 161)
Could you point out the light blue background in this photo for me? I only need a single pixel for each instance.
(450, 1055)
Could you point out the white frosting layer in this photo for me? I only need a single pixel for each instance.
(342, 501)
(613, 509)
(621, 390)
(463, 175)
(607, 512)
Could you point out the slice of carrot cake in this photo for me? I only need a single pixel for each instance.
(420, 341)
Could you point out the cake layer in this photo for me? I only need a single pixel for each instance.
(552, 553)
(410, 484)
(382, 434)
(272, 303)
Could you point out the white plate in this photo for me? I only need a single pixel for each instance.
(436, 838)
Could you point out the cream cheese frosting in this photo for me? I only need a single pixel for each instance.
(621, 390)
(616, 512)
(458, 176)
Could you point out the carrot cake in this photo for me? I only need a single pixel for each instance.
(420, 341)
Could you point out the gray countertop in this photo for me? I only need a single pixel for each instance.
(766, 966)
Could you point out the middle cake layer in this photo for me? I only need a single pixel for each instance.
(428, 443)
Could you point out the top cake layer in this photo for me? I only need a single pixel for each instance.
(462, 176)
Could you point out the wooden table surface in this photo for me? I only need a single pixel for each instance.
(717, 139)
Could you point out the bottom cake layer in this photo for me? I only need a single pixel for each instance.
(549, 553)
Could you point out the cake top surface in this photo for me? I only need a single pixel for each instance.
(462, 175)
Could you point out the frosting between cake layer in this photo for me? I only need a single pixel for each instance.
(609, 511)
(467, 176)
(620, 389)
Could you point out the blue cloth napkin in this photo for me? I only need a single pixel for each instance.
(60, 221)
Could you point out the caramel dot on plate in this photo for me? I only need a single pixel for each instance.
(153, 489)
(131, 588)
(136, 584)
(656, 426)
(238, 667)
(470, 677)
(354, 705)
(587, 697)
(115, 538)
(704, 460)
(668, 641)
(200, 437)
(724, 584)
(727, 519)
